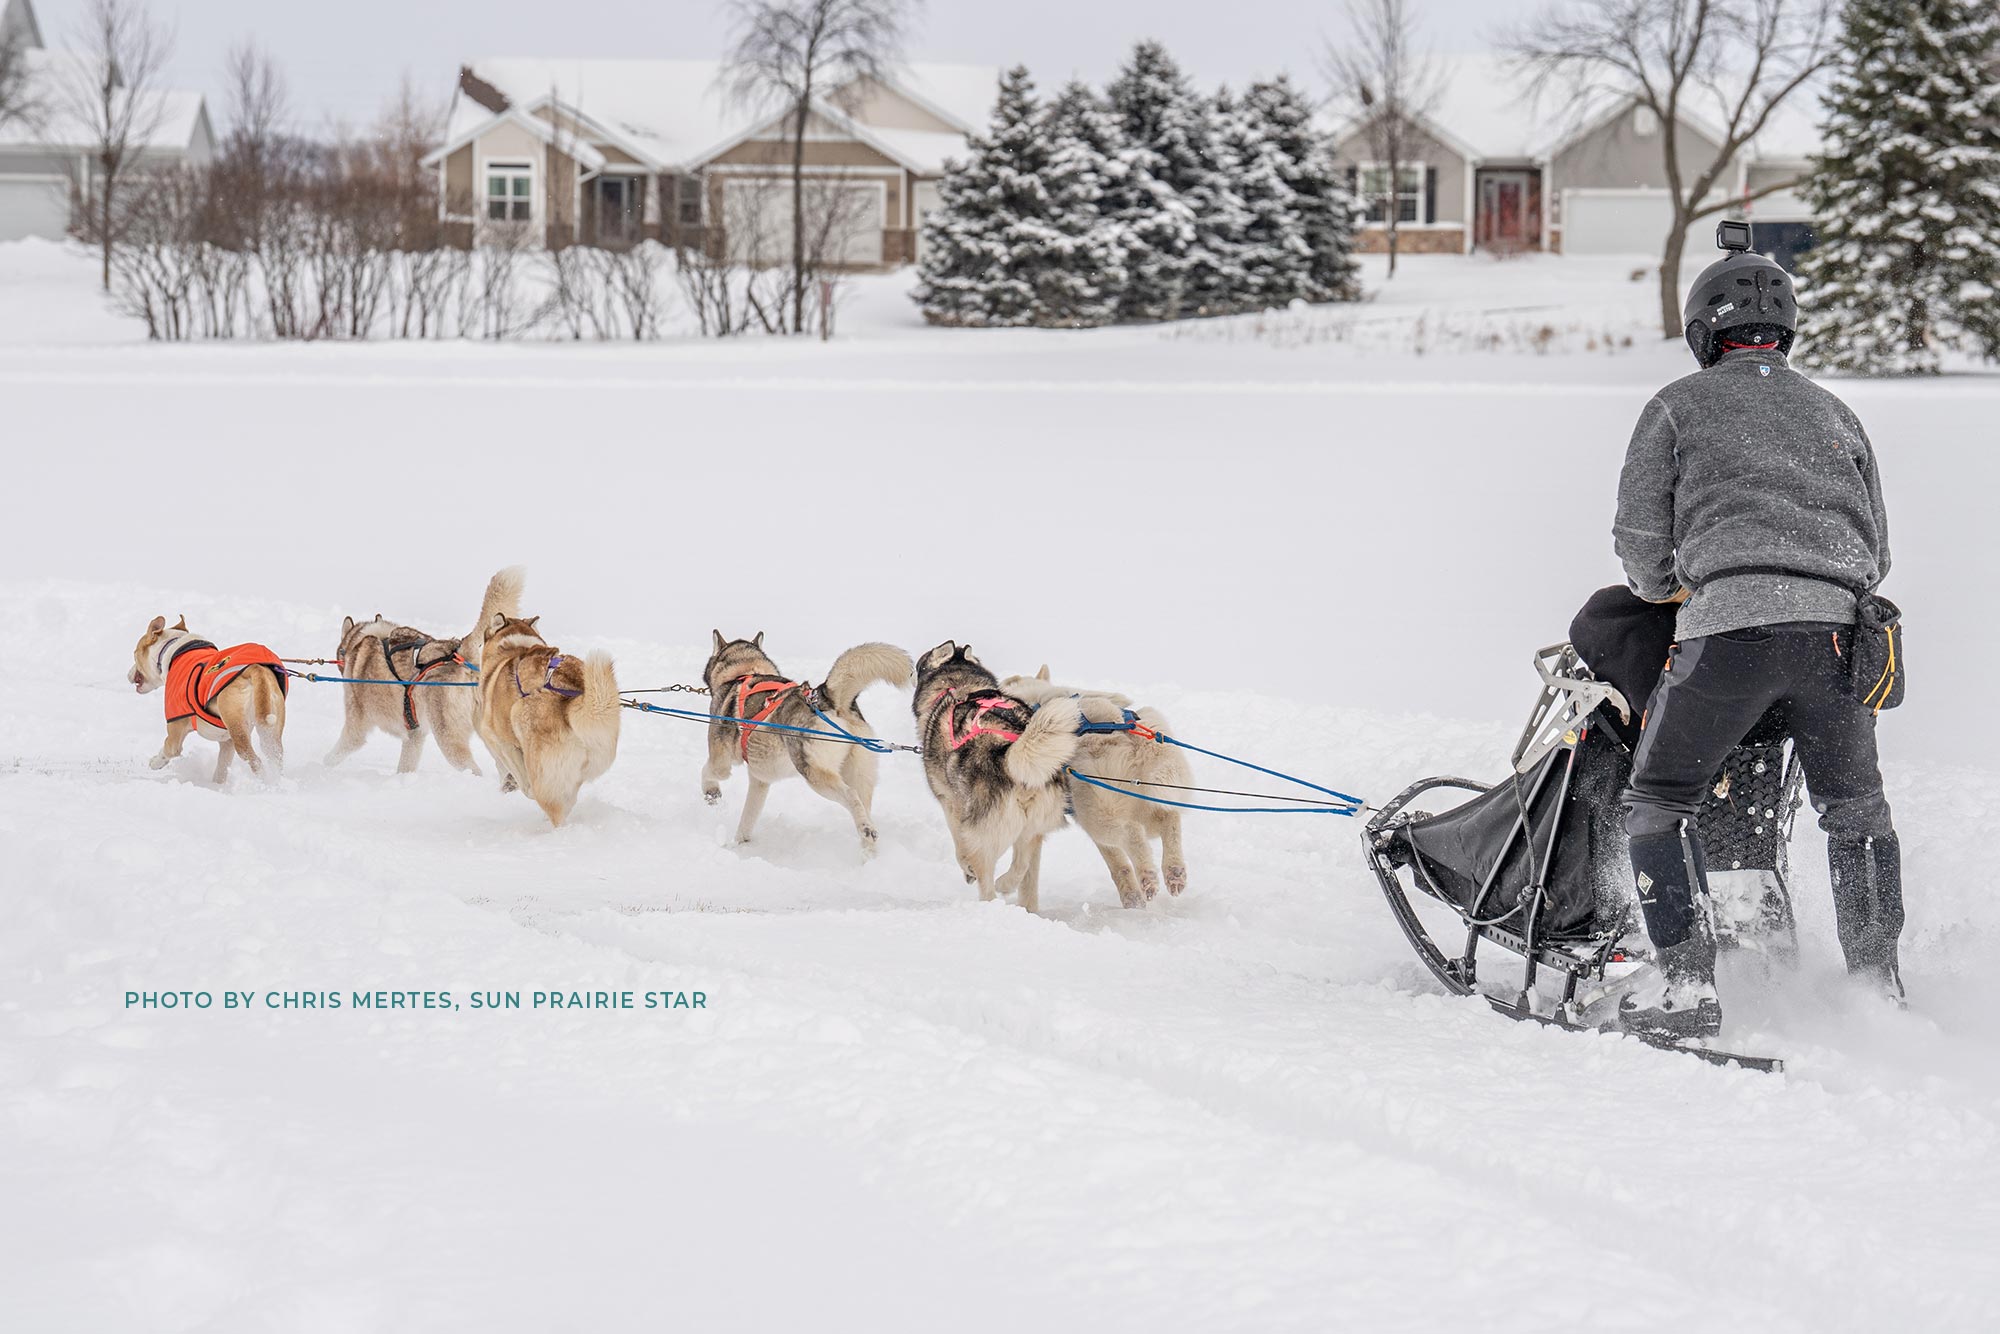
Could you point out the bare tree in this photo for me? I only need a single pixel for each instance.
(112, 95)
(786, 53)
(1736, 61)
(259, 105)
(1386, 84)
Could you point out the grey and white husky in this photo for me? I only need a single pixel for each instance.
(745, 684)
(380, 650)
(995, 763)
(1122, 827)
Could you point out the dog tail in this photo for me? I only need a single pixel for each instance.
(1046, 746)
(503, 598)
(595, 719)
(862, 666)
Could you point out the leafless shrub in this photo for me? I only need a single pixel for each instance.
(111, 92)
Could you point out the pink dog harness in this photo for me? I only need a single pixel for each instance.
(984, 704)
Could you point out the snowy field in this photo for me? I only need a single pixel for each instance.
(1325, 540)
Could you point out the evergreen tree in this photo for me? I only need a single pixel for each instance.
(1203, 170)
(1907, 191)
(1157, 115)
(1082, 278)
(1323, 209)
(985, 244)
(1270, 256)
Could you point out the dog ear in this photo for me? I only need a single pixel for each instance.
(961, 651)
(720, 642)
(499, 619)
(1043, 674)
(530, 622)
(182, 624)
(758, 639)
(159, 624)
(346, 624)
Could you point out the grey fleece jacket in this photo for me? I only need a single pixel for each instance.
(1750, 463)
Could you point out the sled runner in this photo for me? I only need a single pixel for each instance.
(1534, 866)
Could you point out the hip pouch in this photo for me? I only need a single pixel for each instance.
(1875, 659)
(1874, 653)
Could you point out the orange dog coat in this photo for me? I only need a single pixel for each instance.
(199, 671)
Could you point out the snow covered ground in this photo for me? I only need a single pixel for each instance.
(1330, 551)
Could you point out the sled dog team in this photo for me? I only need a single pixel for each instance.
(996, 753)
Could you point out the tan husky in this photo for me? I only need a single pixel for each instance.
(225, 695)
(550, 719)
(1122, 827)
(436, 700)
(745, 684)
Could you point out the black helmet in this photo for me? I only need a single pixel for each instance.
(1738, 290)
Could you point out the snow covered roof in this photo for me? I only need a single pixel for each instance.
(1487, 109)
(670, 113)
(174, 118)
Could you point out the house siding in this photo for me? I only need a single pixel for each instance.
(1450, 202)
(873, 103)
(1615, 156)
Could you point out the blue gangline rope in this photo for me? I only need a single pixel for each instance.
(839, 733)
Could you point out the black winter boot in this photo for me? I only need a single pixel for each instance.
(1868, 906)
(1672, 878)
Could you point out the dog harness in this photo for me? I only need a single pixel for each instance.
(776, 689)
(199, 670)
(548, 681)
(391, 647)
(983, 705)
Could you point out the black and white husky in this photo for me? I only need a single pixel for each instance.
(1123, 827)
(995, 764)
(745, 684)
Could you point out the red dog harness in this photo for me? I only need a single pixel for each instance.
(984, 704)
(197, 673)
(745, 724)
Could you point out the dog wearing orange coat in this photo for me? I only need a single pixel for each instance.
(228, 695)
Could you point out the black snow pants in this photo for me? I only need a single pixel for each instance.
(1715, 690)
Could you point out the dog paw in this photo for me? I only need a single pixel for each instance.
(507, 783)
(1149, 884)
(157, 762)
(712, 795)
(1134, 899)
(1176, 879)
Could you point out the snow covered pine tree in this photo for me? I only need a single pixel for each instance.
(1907, 191)
(1156, 112)
(1268, 251)
(1322, 208)
(1080, 282)
(986, 243)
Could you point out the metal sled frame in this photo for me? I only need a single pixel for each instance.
(1558, 722)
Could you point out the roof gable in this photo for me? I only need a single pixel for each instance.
(17, 24)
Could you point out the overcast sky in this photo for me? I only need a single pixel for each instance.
(344, 57)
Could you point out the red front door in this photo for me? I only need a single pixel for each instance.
(1507, 216)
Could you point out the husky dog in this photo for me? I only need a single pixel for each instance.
(1122, 827)
(379, 650)
(222, 694)
(743, 683)
(550, 719)
(995, 763)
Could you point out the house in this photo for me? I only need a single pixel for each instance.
(46, 156)
(606, 152)
(1496, 170)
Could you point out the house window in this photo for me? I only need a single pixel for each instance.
(510, 190)
(687, 200)
(1409, 192)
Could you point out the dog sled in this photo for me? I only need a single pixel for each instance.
(1534, 867)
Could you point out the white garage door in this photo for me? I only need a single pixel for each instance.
(847, 214)
(1615, 223)
(34, 206)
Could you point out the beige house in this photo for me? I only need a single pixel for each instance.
(607, 152)
(1495, 171)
